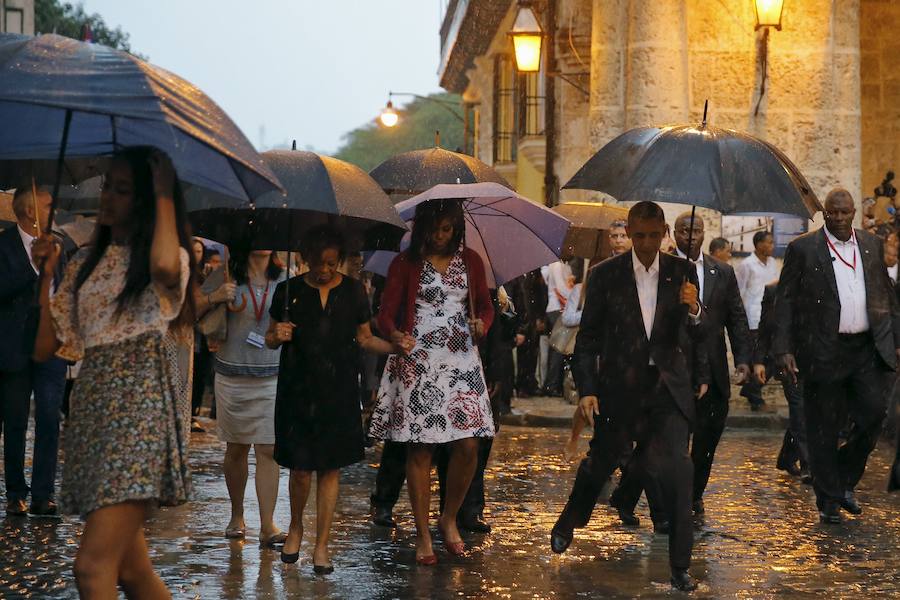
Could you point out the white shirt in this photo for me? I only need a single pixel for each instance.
(27, 240)
(893, 272)
(698, 265)
(753, 276)
(851, 283)
(556, 276)
(647, 282)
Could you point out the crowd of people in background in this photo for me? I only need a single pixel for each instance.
(311, 362)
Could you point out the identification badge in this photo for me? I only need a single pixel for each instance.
(256, 340)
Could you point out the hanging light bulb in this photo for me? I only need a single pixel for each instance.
(389, 116)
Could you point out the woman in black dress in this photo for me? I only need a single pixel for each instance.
(318, 426)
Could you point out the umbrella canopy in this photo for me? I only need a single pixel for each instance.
(89, 100)
(722, 169)
(590, 222)
(512, 234)
(420, 170)
(320, 189)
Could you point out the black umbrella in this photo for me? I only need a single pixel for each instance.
(415, 172)
(320, 189)
(722, 169)
(61, 97)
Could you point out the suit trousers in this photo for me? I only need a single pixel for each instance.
(47, 381)
(553, 375)
(795, 445)
(752, 390)
(526, 364)
(661, 430)
(473, 504)
(391, 475)
(712, 412)
(858, 391)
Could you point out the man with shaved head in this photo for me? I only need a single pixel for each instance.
(838, 328)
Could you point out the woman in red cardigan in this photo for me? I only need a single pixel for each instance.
(435, 302)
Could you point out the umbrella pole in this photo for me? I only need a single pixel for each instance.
(60, 162)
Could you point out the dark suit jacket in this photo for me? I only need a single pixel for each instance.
(612, 349)
(724, 310)
(808, 309)
(18, 314)
(762, 352)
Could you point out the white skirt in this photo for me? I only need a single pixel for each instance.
(245, 409)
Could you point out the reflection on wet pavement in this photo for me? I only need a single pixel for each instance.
(761, 538)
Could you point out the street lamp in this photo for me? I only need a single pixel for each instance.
(527, 38)
(389, 116)
(768, 13)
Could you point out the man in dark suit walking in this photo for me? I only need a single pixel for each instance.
(724, 310)
(19, 375)
(838, 328)
(633, 369)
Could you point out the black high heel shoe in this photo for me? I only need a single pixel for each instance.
(323, 569)
(290, 559)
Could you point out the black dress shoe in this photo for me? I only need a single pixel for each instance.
(43, 508)
(627, 517)
(661, 527)
(474, 523)
(829, 514)
(849, 503)
(560, 538)
(16, 507)
(682, 580)
(805, 476)
(381, 516)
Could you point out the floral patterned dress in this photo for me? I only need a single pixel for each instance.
(124, 438)
(437, 394)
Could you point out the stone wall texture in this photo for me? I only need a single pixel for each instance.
(879, 41)
(657, 61)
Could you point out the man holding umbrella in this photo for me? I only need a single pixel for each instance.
(633, 371)
(838, 328)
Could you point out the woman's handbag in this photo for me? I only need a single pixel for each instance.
(562, 338)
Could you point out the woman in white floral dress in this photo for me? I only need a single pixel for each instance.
(435, 300)
(124, 440)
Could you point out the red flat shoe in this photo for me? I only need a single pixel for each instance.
(427, 561)
(454, 548)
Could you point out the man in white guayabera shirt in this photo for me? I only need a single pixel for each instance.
(754, 273)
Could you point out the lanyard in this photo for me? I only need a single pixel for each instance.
(841, 258)
(259, 308)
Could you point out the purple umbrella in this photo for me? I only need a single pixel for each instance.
(512, 234)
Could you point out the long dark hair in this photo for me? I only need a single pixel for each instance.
(140, 240)
(238, 260)
(428, 215)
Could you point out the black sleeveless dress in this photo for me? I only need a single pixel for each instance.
(318, 425)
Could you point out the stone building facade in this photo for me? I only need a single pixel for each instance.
(17, 16)
(831, 99)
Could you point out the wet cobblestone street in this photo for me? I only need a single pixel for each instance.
(761, 538)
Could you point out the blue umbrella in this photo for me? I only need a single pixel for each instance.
(61, 97)
(512, 234)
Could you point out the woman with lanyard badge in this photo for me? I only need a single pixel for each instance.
(246, 376)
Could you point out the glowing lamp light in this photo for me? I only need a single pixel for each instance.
(768, 13)
(389, 116)
(527, 37)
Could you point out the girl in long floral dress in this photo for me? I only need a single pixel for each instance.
(124, 438)
(435, 300)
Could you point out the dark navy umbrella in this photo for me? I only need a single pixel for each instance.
(722, 169)
(320, 189)
(60, 97)
(414, 172)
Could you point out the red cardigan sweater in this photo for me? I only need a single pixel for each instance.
(398, 301)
